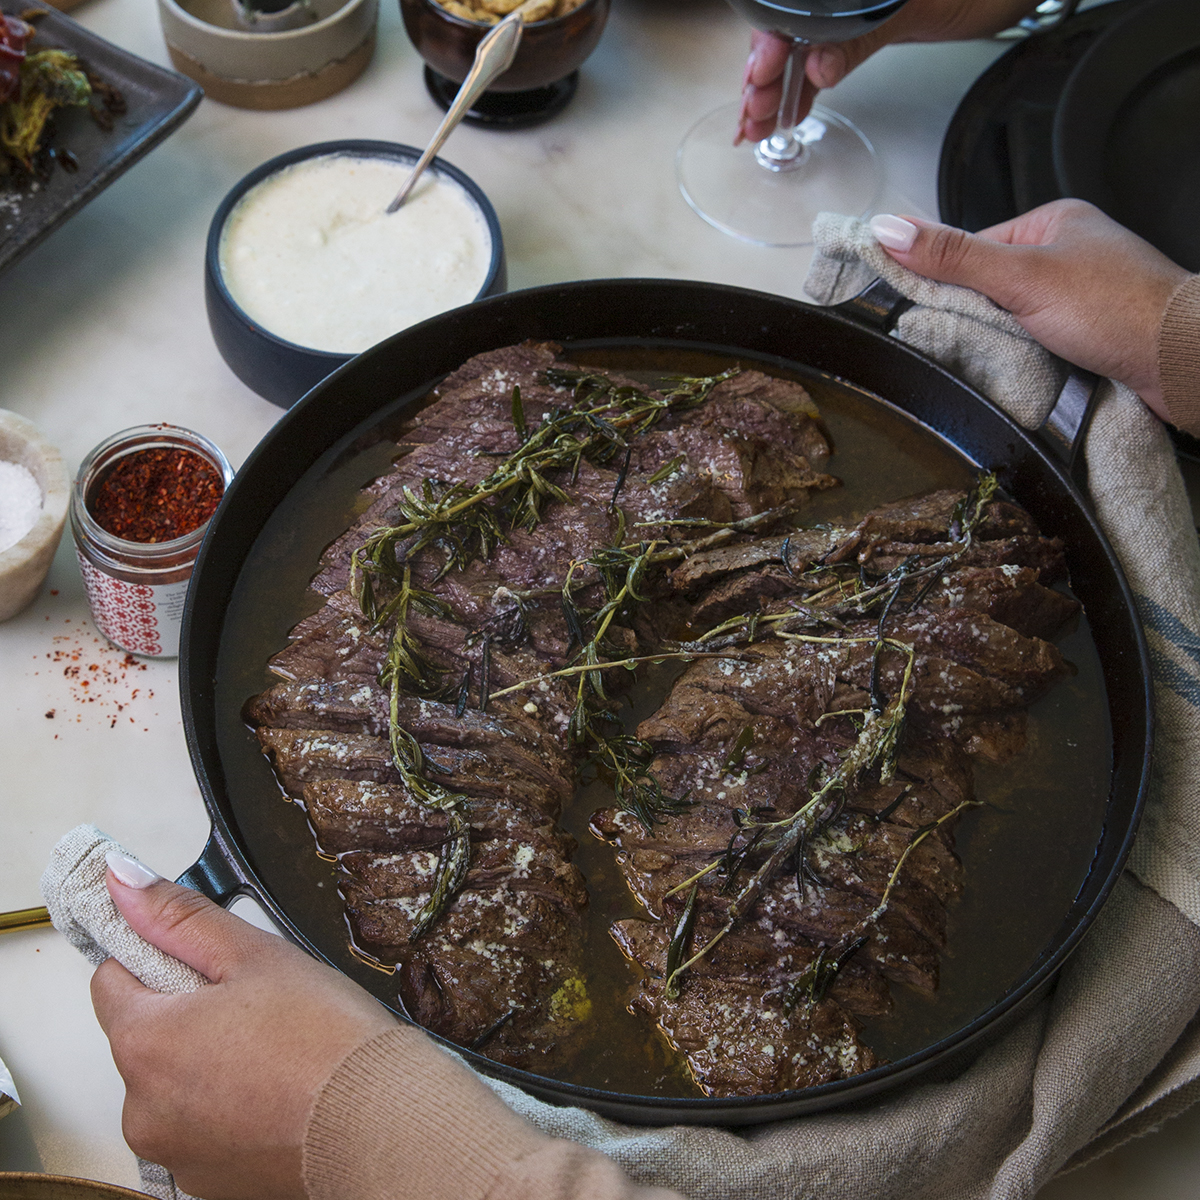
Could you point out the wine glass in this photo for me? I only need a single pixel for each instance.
(770, 192)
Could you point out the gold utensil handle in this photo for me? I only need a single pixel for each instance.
(24, 918)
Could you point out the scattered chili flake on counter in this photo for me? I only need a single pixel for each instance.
(90, 682)
(156, 495)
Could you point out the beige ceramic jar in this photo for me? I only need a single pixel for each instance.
(269, 70)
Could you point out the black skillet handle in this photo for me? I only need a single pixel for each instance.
(880, 306)
(215, 875)
(1065, 430)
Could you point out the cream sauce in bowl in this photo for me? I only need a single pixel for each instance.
(310, 255)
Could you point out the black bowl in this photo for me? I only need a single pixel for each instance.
(279, 370)
(549, 50)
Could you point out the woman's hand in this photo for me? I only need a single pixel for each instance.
(917, 21)
(219, 1082)
(1085, 287)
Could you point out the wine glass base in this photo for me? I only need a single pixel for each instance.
(726, 186)
(506, 110)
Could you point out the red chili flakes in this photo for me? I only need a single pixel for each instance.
(156, 495)
(100, 680)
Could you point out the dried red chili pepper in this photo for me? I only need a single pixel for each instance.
(156, 495)
(13, 36)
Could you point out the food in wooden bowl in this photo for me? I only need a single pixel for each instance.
(544, 74)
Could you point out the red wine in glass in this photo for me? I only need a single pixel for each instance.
(817, 21)
(771, 192)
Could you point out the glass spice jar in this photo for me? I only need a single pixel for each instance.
(144, 483)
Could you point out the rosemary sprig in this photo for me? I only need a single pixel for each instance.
(466, 522)
(877, 744)
(681, 942)
(405, 660)
(454, 855)
(629, 663)
(814, 981)
(626, 758)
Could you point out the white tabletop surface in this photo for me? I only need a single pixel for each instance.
(103, 327)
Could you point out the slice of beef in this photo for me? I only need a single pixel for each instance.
(304, 756)
(356, 815)
(352, 706)
(804, 547)
(332, 644)
(1010, 594)
(756, 438)
(738, 1040)
(501, 971)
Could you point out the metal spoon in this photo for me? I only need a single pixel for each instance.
(493, 56)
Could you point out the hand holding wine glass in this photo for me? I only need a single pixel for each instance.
(771, 192)
(828, 64)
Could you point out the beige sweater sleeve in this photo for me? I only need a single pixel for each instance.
(401, 1120)
(1179, 356)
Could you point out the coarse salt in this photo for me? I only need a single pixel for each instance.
(20, 503)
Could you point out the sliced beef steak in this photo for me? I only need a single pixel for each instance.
(750, 738)
(805, 637)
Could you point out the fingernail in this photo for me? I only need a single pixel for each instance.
(751, 63)
(129, 871)
(893, 232)
(825, 65)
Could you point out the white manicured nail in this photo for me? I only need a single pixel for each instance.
(129, 871)
(893, 232)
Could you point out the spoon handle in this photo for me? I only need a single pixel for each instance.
(24, 918)
(493, 55)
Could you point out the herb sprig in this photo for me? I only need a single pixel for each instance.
(877, 744)
(468, 522)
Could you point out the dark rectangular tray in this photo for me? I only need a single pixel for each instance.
(158, 101)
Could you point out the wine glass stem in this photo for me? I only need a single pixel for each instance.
(783, 150)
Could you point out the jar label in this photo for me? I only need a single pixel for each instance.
(138, 617)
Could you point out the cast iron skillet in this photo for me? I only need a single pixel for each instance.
(850, 344)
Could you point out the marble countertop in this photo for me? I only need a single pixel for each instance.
(103, 327)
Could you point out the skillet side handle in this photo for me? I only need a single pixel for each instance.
(878, 306)
(1065, 429)
(214, 875)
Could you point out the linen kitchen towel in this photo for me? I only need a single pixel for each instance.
(83, 912)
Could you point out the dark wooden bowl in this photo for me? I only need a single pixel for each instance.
(549, 51)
